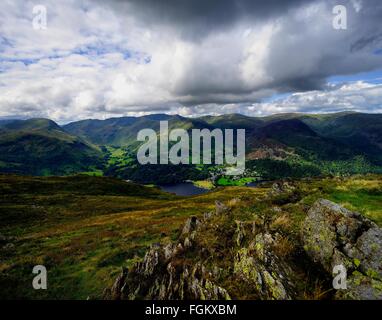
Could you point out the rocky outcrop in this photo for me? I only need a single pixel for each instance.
(165, 273)
(189, 268)
(220, 208)
(258, 265)
(281, 187)
(176, 281)
(283, 192)
(333, 235)
(221, 257)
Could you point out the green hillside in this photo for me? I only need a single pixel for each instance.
(41, 147)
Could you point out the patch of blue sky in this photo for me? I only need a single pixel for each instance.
(5, 63)
(373, 77)
(5, 42)
(28, 61)
(92, 50)
(97, 50)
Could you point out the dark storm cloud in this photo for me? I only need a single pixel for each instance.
(302, 56)
(368, 41)
(198, 18)
(368, 32)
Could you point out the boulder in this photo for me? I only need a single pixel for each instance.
(333, 235)
(260, 267)
(220, 208)
(192, 224)
(281, 187)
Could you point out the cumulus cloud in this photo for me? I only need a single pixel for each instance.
(100, 59)
(357, 96)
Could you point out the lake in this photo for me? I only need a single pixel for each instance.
(189, 189)
(254, 183)
(183, 189)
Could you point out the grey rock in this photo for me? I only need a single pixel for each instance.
(369, 252)
(281, 187)
(333, 235)
(187, 243)
(240, 232)
(208, 215)
(261, 268)
(192, 224)
(161, 275)
(115, 292)
(220, 208)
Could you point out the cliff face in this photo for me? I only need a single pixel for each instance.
(220, 256)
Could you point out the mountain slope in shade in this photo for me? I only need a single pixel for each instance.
(123, 131)
(42, 147)
(327, 136)
(294, 133)
(361, 132)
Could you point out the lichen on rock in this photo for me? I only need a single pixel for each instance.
(333, 236)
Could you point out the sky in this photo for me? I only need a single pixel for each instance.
(101, 59)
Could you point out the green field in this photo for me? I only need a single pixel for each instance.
(224, 181)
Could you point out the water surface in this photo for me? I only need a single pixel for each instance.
(183, 189)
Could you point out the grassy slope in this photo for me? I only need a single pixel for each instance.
(41, 147)
(81, 234)
(83, 229)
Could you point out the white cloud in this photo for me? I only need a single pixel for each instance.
(96, 61)
(358, 96)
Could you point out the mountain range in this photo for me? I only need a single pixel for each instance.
(315, 144)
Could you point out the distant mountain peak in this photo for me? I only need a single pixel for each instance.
(33, 124)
